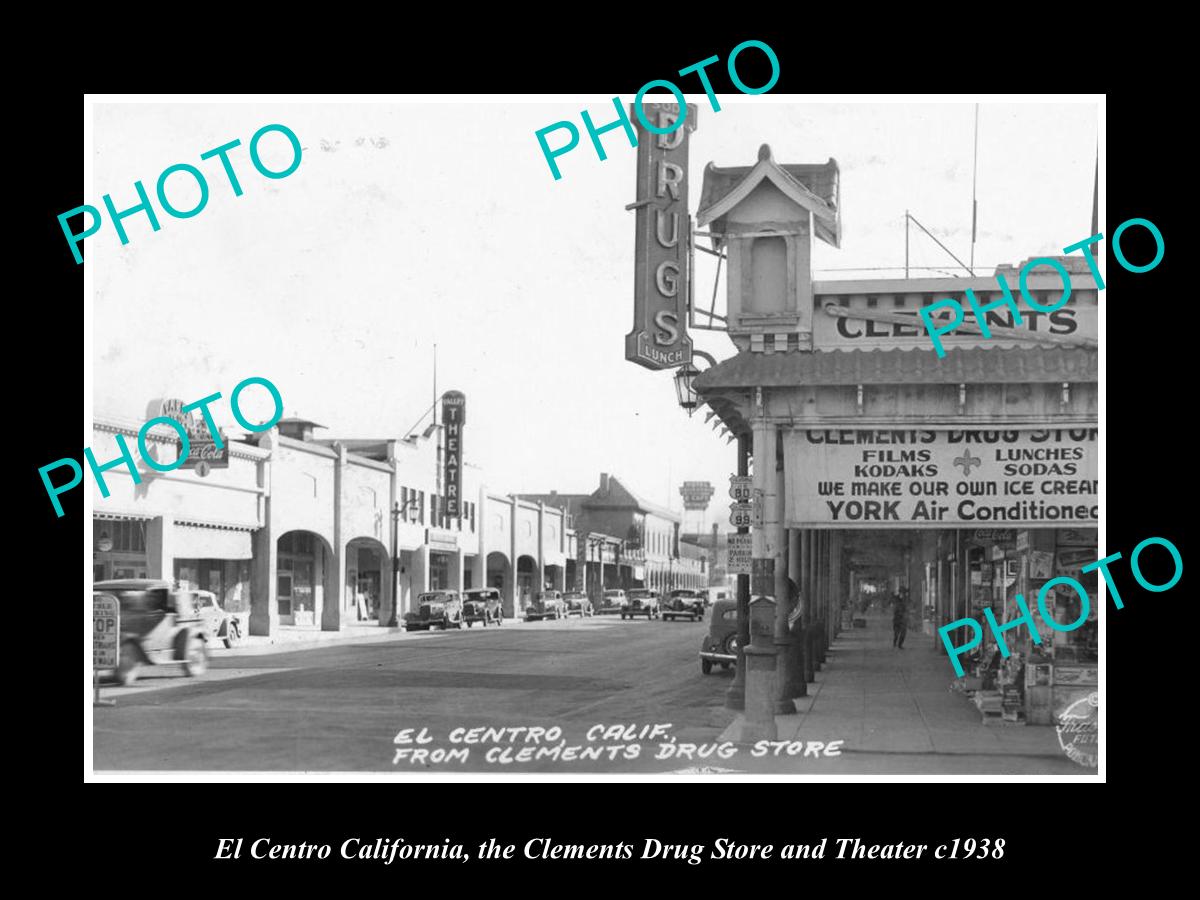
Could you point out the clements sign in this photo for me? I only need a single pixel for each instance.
(915, 478)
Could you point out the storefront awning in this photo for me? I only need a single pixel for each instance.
(201, 542)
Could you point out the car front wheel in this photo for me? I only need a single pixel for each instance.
(233, 634)
(706, 666)
(196, 661)
(130, 662)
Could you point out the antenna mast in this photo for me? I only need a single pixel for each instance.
(974, 203)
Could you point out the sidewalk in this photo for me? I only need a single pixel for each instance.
(290, 638)
(304, 637)
(881, 700)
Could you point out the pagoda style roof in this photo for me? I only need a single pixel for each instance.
(726, 386)
(969, 365)
(813, 187)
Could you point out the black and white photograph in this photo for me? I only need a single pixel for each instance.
(544, 437)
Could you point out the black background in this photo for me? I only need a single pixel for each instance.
(174, 827)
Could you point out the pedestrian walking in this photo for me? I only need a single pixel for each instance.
(899, 618)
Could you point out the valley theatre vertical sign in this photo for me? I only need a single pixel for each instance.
(662, 254)
(454, 413)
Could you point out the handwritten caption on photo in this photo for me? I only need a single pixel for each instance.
(385, 851)
(526, 744)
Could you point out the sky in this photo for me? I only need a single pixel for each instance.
(414, 223)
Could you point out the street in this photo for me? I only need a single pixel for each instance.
(339, 708)
(353, 706)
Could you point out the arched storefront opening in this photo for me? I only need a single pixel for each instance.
(499, 576)
(368, 581)
(527, 581)
(305, 578)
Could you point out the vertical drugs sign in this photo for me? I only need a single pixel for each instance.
(454, 414)
(662, 251)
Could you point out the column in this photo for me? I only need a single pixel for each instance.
(479, 567)
(330, 614)
(420, 571)
(773, 518)
(822, 567)
(762, 683)
(839, 585)
(808, 567)
(796, 683)
(385, 588)
(510, 599)
(387, 598)
(540, 583)
(264, 605)
(160, 553)
(735, 697)
(456, 570)
(826, 593)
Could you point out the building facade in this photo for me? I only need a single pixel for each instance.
(651, 554)
(297, 531)
(965, 478)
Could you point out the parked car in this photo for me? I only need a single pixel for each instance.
(712, 595)
(546, 605)
(483, 605)
(577, 603)
(642, 603)
(220, 625)
(683, 602)
(435, 609)
(159, 626)
(613, 601)
(720, 645)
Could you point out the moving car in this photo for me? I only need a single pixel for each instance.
(483, 605)
(613, 601)
(720, 645)
(642, 602)
(577, 603)
(220, 625)
(683, 602)
(435, 609)
(159, 626)
(546, 605)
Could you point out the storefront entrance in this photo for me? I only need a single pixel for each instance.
(304, 562)
(366, 570)
(527, 581)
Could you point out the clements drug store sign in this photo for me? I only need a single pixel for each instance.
(913, 478)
